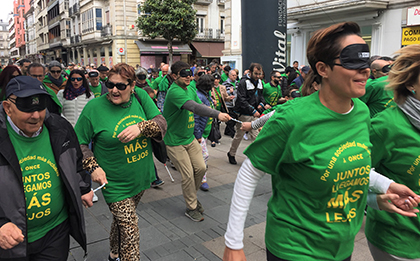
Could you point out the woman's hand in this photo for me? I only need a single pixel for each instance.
(385, 204)
(223, 117)
(99, 176)
(246, 126)
(233, 255)
(129, 134)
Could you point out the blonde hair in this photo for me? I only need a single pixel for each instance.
(405, 72)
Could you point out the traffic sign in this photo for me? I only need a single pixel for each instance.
(121, 51)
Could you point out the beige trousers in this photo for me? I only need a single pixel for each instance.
(188, 160)
(240, 134)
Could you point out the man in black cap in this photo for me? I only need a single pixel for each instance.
(103, 73)
(42, 181)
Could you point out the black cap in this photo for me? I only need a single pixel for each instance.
(216, 76)
(102, 68)
(25, 86)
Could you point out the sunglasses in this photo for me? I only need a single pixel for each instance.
(31, 103)
(55, 71)
(79, 79)
(185, 73)
(120, 86)
(354, 57)
(200, 73)
(142, 77)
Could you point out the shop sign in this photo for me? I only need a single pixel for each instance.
(413, 16)
(410, 35)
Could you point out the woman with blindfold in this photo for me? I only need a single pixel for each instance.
(75, 96)
(319, 161)
(122, 157)
(391, 236)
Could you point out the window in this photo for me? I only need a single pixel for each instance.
(222, 25)
(98, 19)
(200, 24)
(107, 17)
(87, 21)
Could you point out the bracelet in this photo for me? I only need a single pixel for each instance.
(90, 164)
(93, 169)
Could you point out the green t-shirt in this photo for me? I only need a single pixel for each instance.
(156, 82)
(96, 90)
(319, 162)
(376, 97)
(54, 97)
(45, 201)
(103, 79)
(193, 85)
(395, 154)
(180, 121)
(224, 77)
(128, 166)
(164, 84)
(271, 93)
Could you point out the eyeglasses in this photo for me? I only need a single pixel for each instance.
(79, 79)
(55, 71)
(120, 86)
(31, 103)
(386, 68)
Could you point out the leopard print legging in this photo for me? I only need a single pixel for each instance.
(125, 235)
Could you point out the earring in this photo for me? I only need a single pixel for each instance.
(132, 91)
(413, 91)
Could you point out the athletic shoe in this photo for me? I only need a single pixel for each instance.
(113, 259)
(200, 207)
(204, 186)
(157, 183)
(232, 159)
(95, 198)
(213, 144)
(194, 215)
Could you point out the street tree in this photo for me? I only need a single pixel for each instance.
(170, 19)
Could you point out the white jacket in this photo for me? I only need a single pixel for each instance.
(73, 108)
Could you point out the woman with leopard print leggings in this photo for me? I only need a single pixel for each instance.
(122, 157)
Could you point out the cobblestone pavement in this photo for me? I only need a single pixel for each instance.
(167, 234)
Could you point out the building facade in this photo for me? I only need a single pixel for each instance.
(4, 44)
(30, 33)
(382, 22)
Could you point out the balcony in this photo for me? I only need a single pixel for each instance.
(106, 31)
(220, 34)
(55, 42)
(72, 40)
(221, 2)
(204, 2)
(71, 11)
(207, 33)
(77, 39)
(76, 8)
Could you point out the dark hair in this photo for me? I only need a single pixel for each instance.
(35, 65)
(273, 72)
(307, 88)
(124, 70)
(148, 90)
(289, 69)
(85, 83)
(293, 75)
(227, 68)
(5, 76)
(178, 66)
(254, 65)
(295, 62)
(205, 83)
(325, 45)
(21, 62)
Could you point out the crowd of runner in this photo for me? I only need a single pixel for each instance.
(337, 134)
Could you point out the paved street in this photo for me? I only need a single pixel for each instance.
(167, 234)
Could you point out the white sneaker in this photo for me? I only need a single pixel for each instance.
(245, 136)
(95, 198)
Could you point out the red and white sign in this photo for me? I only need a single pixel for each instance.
(121, 51)
(413, 16)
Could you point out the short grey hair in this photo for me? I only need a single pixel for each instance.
(54, 64)
(141, 71)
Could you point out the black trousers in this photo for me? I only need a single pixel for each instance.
(271, 257)
(54, 246)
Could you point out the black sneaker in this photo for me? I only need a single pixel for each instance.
(113, 259)
(232, 159)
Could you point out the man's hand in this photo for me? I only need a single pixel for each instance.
(233, 255)
(223, 117)
(10, 236)
(99, 176)
(257, 114)
(87, 199)
(129, 134)
(199, 140)
(246, 126)
(267, 106)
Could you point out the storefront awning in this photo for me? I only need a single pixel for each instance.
(162, 48)
(209, 50)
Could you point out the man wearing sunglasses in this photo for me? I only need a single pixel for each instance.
(376, 97)
(183, 149)
(42, 182)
